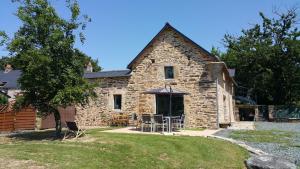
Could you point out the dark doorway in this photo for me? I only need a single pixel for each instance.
(247, 114)
(163, 105)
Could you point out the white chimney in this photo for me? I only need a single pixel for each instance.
(8, 68)
(89, 67)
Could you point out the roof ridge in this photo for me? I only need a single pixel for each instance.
(108, 71)
(166, 26)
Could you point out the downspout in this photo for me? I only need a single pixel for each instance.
(217, 101)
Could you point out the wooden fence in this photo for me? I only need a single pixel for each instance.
(7, 121)
(21, 120)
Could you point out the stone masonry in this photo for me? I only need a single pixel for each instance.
(192, 75)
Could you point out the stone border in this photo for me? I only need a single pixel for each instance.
(242, 144)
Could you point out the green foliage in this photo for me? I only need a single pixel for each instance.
(52, 70)
(9, 60)
(3, 100)
(86, 59)
(16, 63)
(267, 59)
(216, 52)
(20, 102)
(3, 38)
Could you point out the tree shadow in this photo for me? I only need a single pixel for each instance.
(36, 135)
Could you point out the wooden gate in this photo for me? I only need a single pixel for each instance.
(66, 114)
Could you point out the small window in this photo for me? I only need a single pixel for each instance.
(117, 102)
(169, 72)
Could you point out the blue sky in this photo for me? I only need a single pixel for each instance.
(121, 28)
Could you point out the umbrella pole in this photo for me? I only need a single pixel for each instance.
(170, 110)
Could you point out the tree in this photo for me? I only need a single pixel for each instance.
(86, 59)
(267, 59)
(15, 62)
(52, 73)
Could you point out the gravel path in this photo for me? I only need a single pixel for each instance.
(287, 152)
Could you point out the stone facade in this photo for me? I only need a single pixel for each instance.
(203, 103)
(99, 110)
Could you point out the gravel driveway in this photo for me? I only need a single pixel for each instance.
(287, 151)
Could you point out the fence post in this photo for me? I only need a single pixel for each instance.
(271, 112)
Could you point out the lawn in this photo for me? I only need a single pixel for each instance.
(110, 150)
(285, 138)
(280, 139)
(264, 136)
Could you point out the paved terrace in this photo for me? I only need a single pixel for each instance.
(203, 133)
(133, 130)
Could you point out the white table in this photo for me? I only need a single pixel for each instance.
(169, 123)
(169, 118)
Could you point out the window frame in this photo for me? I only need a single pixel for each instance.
(115, 101)
(166, 74)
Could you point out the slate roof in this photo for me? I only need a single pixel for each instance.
(112, 73)
(244, 100)
(10, 79)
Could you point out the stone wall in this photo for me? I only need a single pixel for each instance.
(170, 49)
(191, 76)
(98, 111)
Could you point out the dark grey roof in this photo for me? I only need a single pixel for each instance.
(112, 73)
(244, 100)
(10, 79)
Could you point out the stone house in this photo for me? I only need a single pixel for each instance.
(171, 64)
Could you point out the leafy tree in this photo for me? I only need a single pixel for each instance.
(15, 62)
(3, 99)
(52, 73)
(86, 59)
(267, 59)
(215, 51)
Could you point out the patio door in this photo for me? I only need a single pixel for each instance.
(163, 105)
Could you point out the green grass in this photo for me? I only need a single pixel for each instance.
(265, 136)
(112, 150)
(194, 129)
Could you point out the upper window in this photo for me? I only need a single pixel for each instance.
(169, 72)
(117, 102)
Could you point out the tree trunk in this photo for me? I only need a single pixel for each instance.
(57, 123)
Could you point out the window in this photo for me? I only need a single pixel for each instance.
(169, 72)
(117, 102)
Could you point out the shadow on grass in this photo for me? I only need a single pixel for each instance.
(50, 134)
(36, 135)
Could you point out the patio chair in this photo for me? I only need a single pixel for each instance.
(146, 122)
(158, 121)
(73, 129)
(174, 122)
(133, 121)
(181, 121)
(178, 122)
